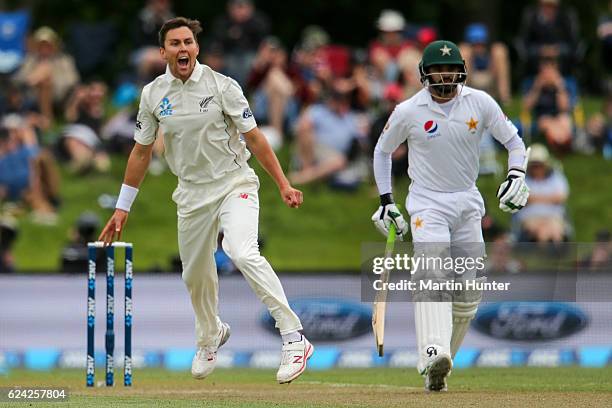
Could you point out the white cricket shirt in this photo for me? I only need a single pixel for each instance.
(201, 121)
(443, 150)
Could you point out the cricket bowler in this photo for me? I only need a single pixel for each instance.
(201, 114)
(443, 124)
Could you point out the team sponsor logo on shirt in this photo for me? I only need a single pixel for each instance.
(247, 113)
(430, 127)
(204, 103)
(138, 125)
(165, 108)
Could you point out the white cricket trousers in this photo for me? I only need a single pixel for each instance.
(443, 218)
(231, 205)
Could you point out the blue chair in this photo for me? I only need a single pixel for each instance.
(13, 31)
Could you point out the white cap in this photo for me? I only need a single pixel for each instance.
(13, 121)
(390, 20)
(539, 154)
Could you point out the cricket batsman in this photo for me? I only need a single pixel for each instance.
(443, 124)
(201, 114)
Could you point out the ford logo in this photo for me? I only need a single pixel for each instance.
(529, 320)
(327, 319)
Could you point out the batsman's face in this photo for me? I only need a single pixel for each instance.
(443, 80)
(180, 51)
(443, 74)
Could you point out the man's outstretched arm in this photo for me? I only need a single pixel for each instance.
(135, 171)
(259, 146)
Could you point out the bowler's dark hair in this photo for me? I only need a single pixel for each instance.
(193, 25)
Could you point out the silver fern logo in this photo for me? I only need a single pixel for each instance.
(204, 103)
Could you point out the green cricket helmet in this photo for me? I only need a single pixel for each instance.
(438, 53)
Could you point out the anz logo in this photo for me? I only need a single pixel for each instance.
(165, 108)
(90, 366)
(91, 312)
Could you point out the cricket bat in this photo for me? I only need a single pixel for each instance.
(380, 301)
(526, 161)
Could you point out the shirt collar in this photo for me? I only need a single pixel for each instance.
(195, 75)
(425, 97)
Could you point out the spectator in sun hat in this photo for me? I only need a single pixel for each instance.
(543, 218)
(50, 72)
(386, 48)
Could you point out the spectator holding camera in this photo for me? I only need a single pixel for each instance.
(80, 140)
(548, 100)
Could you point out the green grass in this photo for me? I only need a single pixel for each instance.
(486, 387)
(326, 233)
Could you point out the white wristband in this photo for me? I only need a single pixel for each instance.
(126, 198)
(516, 158)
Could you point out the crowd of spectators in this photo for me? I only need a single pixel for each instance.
(328, 102)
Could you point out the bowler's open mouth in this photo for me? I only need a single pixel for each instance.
(183, 61)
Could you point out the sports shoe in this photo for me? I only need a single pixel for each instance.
(436, 373)
(293, 360)
(205, 359)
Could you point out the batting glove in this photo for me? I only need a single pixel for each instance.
(388, 214)
(513, 192)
